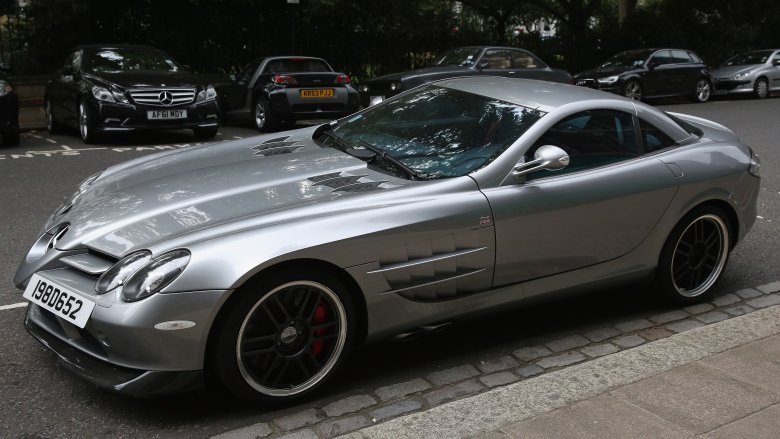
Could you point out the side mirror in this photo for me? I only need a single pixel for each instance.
(549, 157)
(653, 64)
(483, 65)
(776, 62)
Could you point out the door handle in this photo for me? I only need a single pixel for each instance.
(511, 73)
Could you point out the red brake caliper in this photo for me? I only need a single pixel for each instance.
(320, 314)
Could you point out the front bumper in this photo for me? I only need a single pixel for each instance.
(616, 87)
(729, 86)
(119, 348)
(112, 117)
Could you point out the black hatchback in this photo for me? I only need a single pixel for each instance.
(651, 73)
(104, 89)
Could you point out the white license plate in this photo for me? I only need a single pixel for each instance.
(166, 114)
(373, 100)
(70, 306)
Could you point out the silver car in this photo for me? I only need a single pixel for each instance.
(260, 263)
(756, 72)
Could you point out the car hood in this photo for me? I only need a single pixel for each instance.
(148, 79)
(604, 72)
(425, 71)
(145, 201)
(729, 71)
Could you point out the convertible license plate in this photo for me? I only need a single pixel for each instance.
(166, 114)
(316, 93)
(59, 300)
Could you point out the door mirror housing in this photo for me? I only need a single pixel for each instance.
(776, 62)
(549, 157)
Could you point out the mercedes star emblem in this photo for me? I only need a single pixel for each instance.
(166, 98)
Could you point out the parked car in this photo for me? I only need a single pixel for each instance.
(107, 89)
(756, 72)
(651, 73)
(463, 61)
(9, 109)
(262, 262)
(288, 88)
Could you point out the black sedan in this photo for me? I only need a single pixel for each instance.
(285, 89)
(105, 89)
(9, 110)
(651, 73)
(464, 61)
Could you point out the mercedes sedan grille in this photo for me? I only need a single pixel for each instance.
(167, 97)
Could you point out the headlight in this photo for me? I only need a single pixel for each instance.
(363, 88)
(118, 274)
(207, 94)
(155, 275)
(755, 164)
(740, 75)
(608, 80)
(105, 95)
(5, 88)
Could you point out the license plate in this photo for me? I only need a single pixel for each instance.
(373, 100)
(166, 114)
(64, 303)
(316, 93)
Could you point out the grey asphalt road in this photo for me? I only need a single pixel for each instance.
(41, 400)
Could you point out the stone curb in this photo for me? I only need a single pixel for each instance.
(493, 409)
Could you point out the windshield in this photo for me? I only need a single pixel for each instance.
(437, 132)
(749, 58)
(131, 59)
(632, 58)
(464, 56)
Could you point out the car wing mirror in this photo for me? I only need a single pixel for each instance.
(549, 157)
(483, 65)
(776, 62)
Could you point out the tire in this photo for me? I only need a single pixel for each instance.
(205, 133)
(703, 91)
(265, 121)
(52, 126)
(633, 90)
(87, 129)
(694, 256)
(283, 338)
(761, 88)
(11, 137)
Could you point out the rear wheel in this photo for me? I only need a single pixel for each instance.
(633, 90)
(51, 123)
(761, 88)
(703, 91)
(694, 255)
(284, 337)
(87, 123)
(265, 120)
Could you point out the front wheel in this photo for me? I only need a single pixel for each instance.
(761, 88)
(284, 337)
(703, 91)
(633, 90)
(52, 126)
(694, 255)
(87, 123)
(265, 120)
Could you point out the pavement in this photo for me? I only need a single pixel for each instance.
(717, 381)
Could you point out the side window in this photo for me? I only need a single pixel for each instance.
(497, 59)
(680, 56)
(592, 138)
(524, 60)
(653, 138)
(661, 57)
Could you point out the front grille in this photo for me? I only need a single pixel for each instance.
(163, 97)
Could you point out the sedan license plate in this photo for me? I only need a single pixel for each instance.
(316, 93)
(166, 114)
(59, 300)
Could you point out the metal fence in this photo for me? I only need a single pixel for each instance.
(14, 38)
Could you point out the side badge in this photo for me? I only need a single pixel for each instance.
(485, 220)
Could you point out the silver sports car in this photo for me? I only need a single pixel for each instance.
(756, 72)
(260, 263)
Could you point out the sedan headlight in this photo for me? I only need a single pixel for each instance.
(363, 88)
(118, 274)
(207, 94)
(156, 275)
(5, 88)
(106, 95)
(608, 80)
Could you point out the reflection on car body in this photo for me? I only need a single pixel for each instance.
(262, 262)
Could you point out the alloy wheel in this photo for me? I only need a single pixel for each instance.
(703, 90)
(633, 91)
(762, 88)
(291, 339)
(83, 122)
(700, 255)
(259, 115)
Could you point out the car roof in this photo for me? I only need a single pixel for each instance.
(114, 46)
(545, 96)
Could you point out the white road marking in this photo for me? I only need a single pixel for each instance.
(237, 137)
(51, 140)
(13, 306)
(66, 147)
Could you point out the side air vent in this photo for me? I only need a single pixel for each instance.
(277, 146)
(345, 183)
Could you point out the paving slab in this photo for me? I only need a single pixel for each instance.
(762, 425)
(758, 363)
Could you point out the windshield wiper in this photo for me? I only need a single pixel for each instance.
(336, 138)
(385, 156)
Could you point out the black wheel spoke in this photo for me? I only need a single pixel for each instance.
(324, 326)
(274, 321)
(256, 352)
(307, 372)
(310, 305)
(324, 337)
(281, 306)
(281, 373)
(274, 364)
